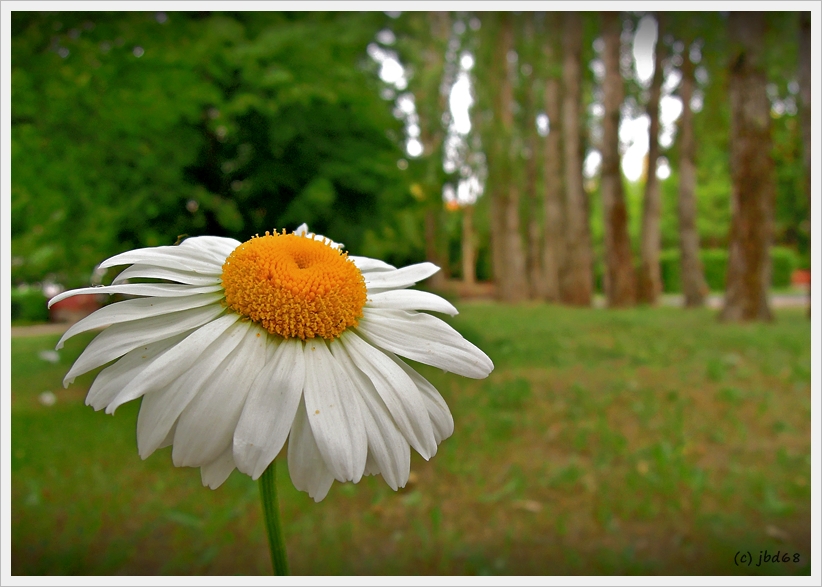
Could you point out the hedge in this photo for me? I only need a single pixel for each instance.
(29, 304)
(715, 263)
(785, 261)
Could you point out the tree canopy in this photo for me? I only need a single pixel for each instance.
(130, 129)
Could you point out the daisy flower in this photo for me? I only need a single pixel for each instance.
(285, 336)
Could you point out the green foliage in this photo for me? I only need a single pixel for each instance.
(99, 137)
(792, 215)
(28, 304)
(715, 265)
(670, 271)
(783, 263)
(712, 123)
(484, 269)
(129, 129)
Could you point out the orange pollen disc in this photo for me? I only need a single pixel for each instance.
(294, 286)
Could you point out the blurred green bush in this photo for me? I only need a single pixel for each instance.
(714, 266)
(784, 261)
(670, 271)
(29, 305)
(715, 263)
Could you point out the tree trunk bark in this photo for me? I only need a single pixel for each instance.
(576, 286)
(805, 109)
(497, 228)
(512, 284)
(752, 173)
(621, 291)
(536, 284)
(515, 286)
(553, 237)
(650, 283)
(469, 246)
(693, 279)
(434, 251)
(431, 104)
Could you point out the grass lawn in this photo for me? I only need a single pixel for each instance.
(647, 441)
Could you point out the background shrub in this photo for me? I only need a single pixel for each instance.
(784, 261)
(28, 304)
(715, 265)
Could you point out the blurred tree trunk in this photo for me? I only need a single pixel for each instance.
(752, 171)
(506, 240)
(536, 282)
(693, 279)
(497, 151)
(576, 286)
(431, 103)
(621, 290)
(553, 238)
(805, 95)
(469, 246)
(805, 108)
(434, 251)
(649, 283)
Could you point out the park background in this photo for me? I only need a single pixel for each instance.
(650, 407)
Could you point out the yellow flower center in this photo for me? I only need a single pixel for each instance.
(294, 286)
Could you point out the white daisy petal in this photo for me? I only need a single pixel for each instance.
(367, 264)
(160, 290)
(388, 451)
(411, 299)
(111, 380)
(119, 339)
(184, 258)
(152, 272)
(211, 352)
(169, 439)
(218, 247)
(174, 362)
(269, 409)
(333, 414)
(209, 251)
(138, 309)
(399, 278)
(217, 471)
(206, 426)
(441, 418)
(161, 408)
(372, 468)
(424, 338)
(302, 230)
(397, 390)
(306, 465)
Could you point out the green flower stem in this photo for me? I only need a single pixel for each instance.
(271, 508)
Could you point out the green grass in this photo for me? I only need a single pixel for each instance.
(604, 442)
